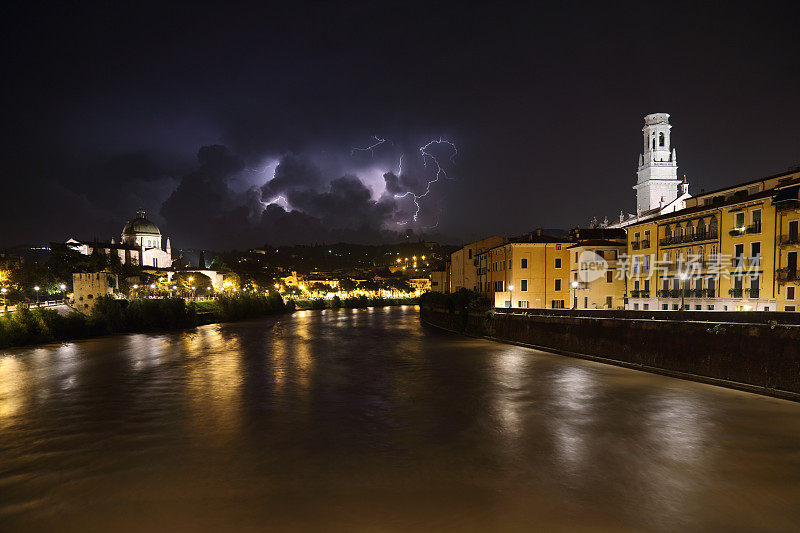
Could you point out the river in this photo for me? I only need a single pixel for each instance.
(364, 420)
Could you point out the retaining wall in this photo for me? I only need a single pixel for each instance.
(758, 355)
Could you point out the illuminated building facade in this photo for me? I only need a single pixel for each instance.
(730, 249)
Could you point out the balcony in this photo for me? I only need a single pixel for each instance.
(646, 243)
(640, 294)
(785, 275)
(736, 292)
(635, 245)
(755, 227)
(735, 232)
(752, 292)
(748, 262)
(789, 205)
(680, 239)
(789, 240)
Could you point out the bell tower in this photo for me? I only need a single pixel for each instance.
(657, 183)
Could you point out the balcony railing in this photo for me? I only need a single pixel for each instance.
(635, 245)
(750, 262)
(789, 240)
(788, 205)
(735, 292)
(640, 294)
(679, 239)
(646, 243)
(755, 227)
(752, 292)
(737, 231)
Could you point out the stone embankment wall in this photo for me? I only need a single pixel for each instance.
(748, 351)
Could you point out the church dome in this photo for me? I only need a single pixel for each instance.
(140, 225)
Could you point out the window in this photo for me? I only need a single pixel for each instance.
(635, 307)
(646, 307)
(558, 262)
(674, 307)
(558, 247)
(661, 139)
(609, 276)
(523, 304)
(636, 285)
(523, 285)
(739, 220)
(757, 218)
(664, 307)
(558, 285)
(557, 304)
(698, 307)
(523, 263)
(647, 285)
(755, 253)
(790, 293)
(710, 307)
(789, 308)
(609, 302)
(470, 253)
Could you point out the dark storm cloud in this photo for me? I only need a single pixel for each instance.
(545, 105)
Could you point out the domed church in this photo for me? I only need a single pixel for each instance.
(141, 244)
(145, 235)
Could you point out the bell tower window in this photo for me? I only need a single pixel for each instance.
(661, 139)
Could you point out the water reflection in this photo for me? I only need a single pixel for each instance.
(365, 420)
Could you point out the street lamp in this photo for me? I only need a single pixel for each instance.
(193, 292)
(63, 291)
(683, 277)
(36, 288)
(574, 286)
(510, 296)
(5, 301)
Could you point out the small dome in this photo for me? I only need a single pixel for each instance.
(139, 225)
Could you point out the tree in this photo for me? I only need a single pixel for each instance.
(347, 285)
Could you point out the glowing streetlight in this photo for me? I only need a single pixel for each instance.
(510, 296)
(36, 288)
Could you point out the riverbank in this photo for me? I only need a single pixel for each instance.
(109, 316)
(754, 353)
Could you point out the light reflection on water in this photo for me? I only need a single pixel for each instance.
(363, 419)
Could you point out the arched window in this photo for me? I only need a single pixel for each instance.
(654, 142)
(712, 227)
(661, 139)
(668, 232)
(700, 253)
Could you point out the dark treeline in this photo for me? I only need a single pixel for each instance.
(359, 302)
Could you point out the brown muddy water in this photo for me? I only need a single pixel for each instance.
(365, 420)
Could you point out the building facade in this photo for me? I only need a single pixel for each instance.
(596, 281)
(730, 249)
(464, 263)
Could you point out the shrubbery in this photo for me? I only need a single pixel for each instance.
(109, 315)
(358, 302)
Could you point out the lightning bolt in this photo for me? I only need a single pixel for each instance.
(276, 200)
(427, 157)
(371, 148)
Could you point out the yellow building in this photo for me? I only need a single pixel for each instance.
(729, 249)
(530, 271)
(464, 263)
(440, 280)
(596, 281)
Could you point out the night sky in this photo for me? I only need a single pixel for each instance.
(235, 126)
